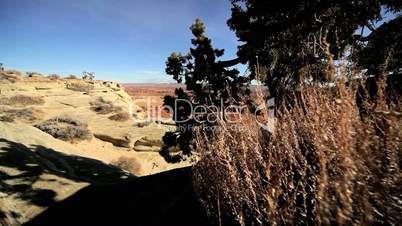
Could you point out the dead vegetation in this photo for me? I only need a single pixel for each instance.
(120, 117)
(80, 86)
(129, 164)
(54, 77)
(65, 128)
(323, 164)
(26, 114)
(22, 100)
(72, 77)
(6, 118)
(102, 106)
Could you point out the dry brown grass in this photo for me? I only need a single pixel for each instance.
(22, 100)
(104, 107)
(26, 114)
(65, 128)
(130, 164)
(323, 164)
(120, 117)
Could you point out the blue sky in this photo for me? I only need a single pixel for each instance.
(122, 40)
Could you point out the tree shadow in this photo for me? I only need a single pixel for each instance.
(162, 199)
(113, 197)
(26, 165)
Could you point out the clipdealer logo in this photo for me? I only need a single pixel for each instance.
(232, 114)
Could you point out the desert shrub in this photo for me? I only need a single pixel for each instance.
(65, 128)
(54, 77)
(6, 118)
(129, 164)
(72, 77)
(121, 116)
(80, 87)
(322, 164)
(102, 106)
(26, 114)
(22, 100)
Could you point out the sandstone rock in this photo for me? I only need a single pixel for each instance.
(117, 141)
(145, 148)
(37, 170)
(59, 99)
(56, 169)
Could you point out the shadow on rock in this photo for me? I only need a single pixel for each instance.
(21, 167)
(162, 199)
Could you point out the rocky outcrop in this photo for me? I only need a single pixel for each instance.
(117, 141)
(148, 143)
(74, 98)
(37, 170)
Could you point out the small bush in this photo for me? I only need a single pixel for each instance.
(22, 100)
(80, 87)
(121, 117)
(72, 77)
(104, 107)
(65, 128)
(27, 114)
(54, 77)
(129, 164)
(6, 118)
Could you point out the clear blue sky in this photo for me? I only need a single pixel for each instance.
(122, 40)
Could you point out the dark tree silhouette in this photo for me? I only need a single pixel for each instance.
(298, 41)
(380, 54)
(208, 81)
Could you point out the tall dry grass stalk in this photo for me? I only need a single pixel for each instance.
(323, 164)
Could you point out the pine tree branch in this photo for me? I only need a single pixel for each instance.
(229, 63)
